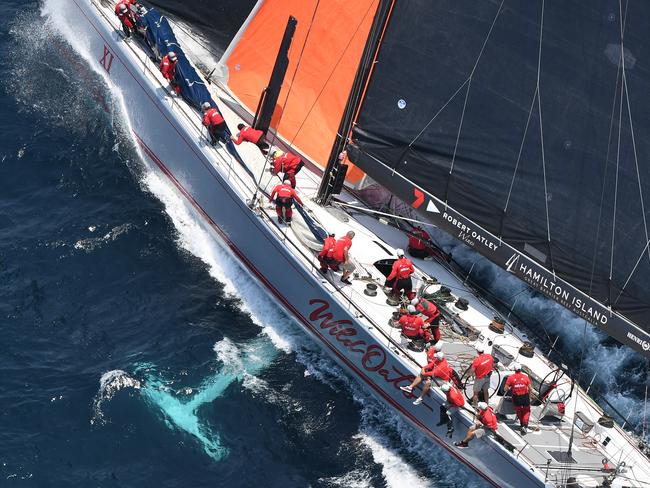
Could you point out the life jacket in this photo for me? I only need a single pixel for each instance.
(339, 247)
(168, 68)
(488, 419)
(126, 17)
(284, 191)
(418, 239)
(249, 134)
(411, 325)
(482, 365)
(427, 308)
(455, 397)
(212, 117)
(286, 163)
(442, 370)
(328, 248)
(431, 353)
(519, 383)
(402, 269)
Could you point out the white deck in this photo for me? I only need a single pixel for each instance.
(371, 243)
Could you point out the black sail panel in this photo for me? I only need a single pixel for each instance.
(529, 122)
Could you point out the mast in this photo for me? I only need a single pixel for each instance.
(334, 172)
(270, 94)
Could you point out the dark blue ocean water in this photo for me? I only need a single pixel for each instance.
(134, 352)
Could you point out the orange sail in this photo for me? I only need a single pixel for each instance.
(328, 44)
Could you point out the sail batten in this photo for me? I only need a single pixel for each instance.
(529, 121)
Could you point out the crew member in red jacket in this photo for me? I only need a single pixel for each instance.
(481, 369)
(325, 255)
(485, 423)
(440, 369)
(419, 243)
(413, 326)
(453, 402)
(123, 12)
(284, 201)
(213, 120)
(432, 314)
(400, 276)
(437, 367)
(341, 256)
(286, 163)
(249, 134)
(168, 69)
(520, 385)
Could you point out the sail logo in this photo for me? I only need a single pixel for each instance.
(645, 345)
(512, 260)
(107, 59)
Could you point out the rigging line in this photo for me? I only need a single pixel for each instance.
(286, 98)
(604, 185)
(467, 81)
(521, 150)
(636, 159)
(377, 212)
(618, 158)
(631, 273)
(469, 87)
(193, 37)
(438, 112)
(645, 401)
(332, 72)
(577, 394)
(541, 135)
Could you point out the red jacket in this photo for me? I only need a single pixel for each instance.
(427, 308)
(328, 248)
(168, 68)
(125, 18)
(249, 134)
(488, 419)
(411, 325)
(285, 163)
(482, 365)
(212, 117)
(419, 238)
(439, 369)
(402, 269)
(455, 397)
(519, 383)
(339, 248)
(285, 191)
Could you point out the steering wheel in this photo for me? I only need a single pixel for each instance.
(551, 381)
(468, 387)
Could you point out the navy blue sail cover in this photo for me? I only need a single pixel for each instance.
(532, 120)
(160, 34)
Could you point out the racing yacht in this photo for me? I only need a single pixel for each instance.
(367, 78)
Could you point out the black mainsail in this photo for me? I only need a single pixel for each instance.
(522, 128)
